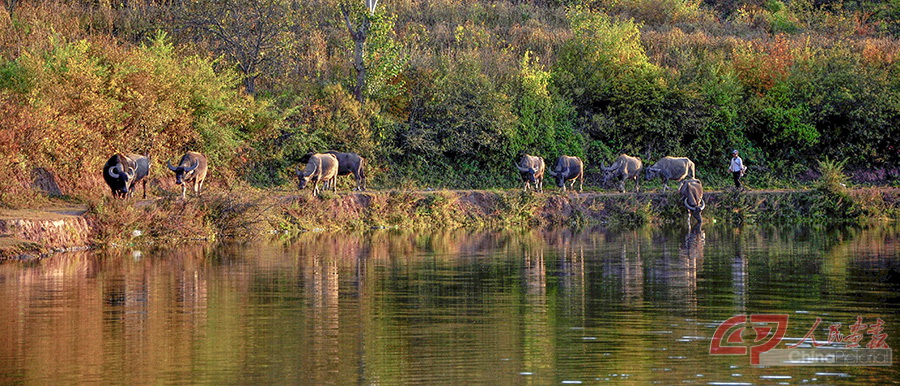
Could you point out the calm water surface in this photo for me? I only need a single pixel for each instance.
(542, 307)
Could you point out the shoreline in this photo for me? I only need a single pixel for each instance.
(27, 234)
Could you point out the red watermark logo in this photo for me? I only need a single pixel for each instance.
(769, 330)
(766, 337)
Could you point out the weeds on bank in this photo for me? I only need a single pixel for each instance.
(630, 212)
(237, 215)
(517, 208)
(440, 208)
(124, 222)
(832, 199)
(171, 219)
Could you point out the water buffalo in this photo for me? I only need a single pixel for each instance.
(568, 169)
(121, 172)
(320, 168)
(691, 191)
(624, 168)
(532, 170)
(671, 168)
(191, 169)
(351, 163)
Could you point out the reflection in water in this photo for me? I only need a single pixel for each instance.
(739, 268)
(542, 306)
(94, 313)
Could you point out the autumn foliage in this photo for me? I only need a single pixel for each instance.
(455, 90)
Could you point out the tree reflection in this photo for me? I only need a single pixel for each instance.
(405, 307)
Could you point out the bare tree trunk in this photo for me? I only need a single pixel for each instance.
(359, 38)
(11, 7)
(250, 84)
(360, 67)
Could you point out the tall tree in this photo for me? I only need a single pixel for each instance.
(378, 58)
(359, 33)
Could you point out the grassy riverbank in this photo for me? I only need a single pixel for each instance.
(253, 213)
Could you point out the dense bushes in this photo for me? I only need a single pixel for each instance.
(455, 90)
(71, 102)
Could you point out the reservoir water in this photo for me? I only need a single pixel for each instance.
(561, 306)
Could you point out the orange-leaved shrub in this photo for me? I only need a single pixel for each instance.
(72, 101)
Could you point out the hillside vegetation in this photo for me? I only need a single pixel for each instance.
(453, 91)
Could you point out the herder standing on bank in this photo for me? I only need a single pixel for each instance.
(737, 169)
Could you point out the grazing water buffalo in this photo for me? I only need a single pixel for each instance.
(671, 168)
(351, 163)
(568, 169)
(624, 168)
(121, 172)
(691, 191)
(532, 170)
(320, 168)
(191, 169)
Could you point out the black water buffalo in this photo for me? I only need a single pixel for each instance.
(122, 172)
(691, 191)
(320, 168)
(191, 169)
(532, 170)
(624, 168)
(568, 169)
(351, 163)
(671, 168)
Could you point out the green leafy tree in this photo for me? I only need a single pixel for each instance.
(546, 121)
(462, 124)
(625, 103)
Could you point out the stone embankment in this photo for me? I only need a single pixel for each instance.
(27, 233)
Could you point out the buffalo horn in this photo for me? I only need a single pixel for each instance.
(551, 173)
(190, 169)
(169, 164)
(702, 204)
(521, 169)
(691, 208)
(113, 171)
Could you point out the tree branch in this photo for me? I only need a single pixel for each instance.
(347, 20)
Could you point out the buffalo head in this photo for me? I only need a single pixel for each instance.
(651, 173)
(528, 173)
(559, 176)
(302, 178)
(181, 171)
(123, 176)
